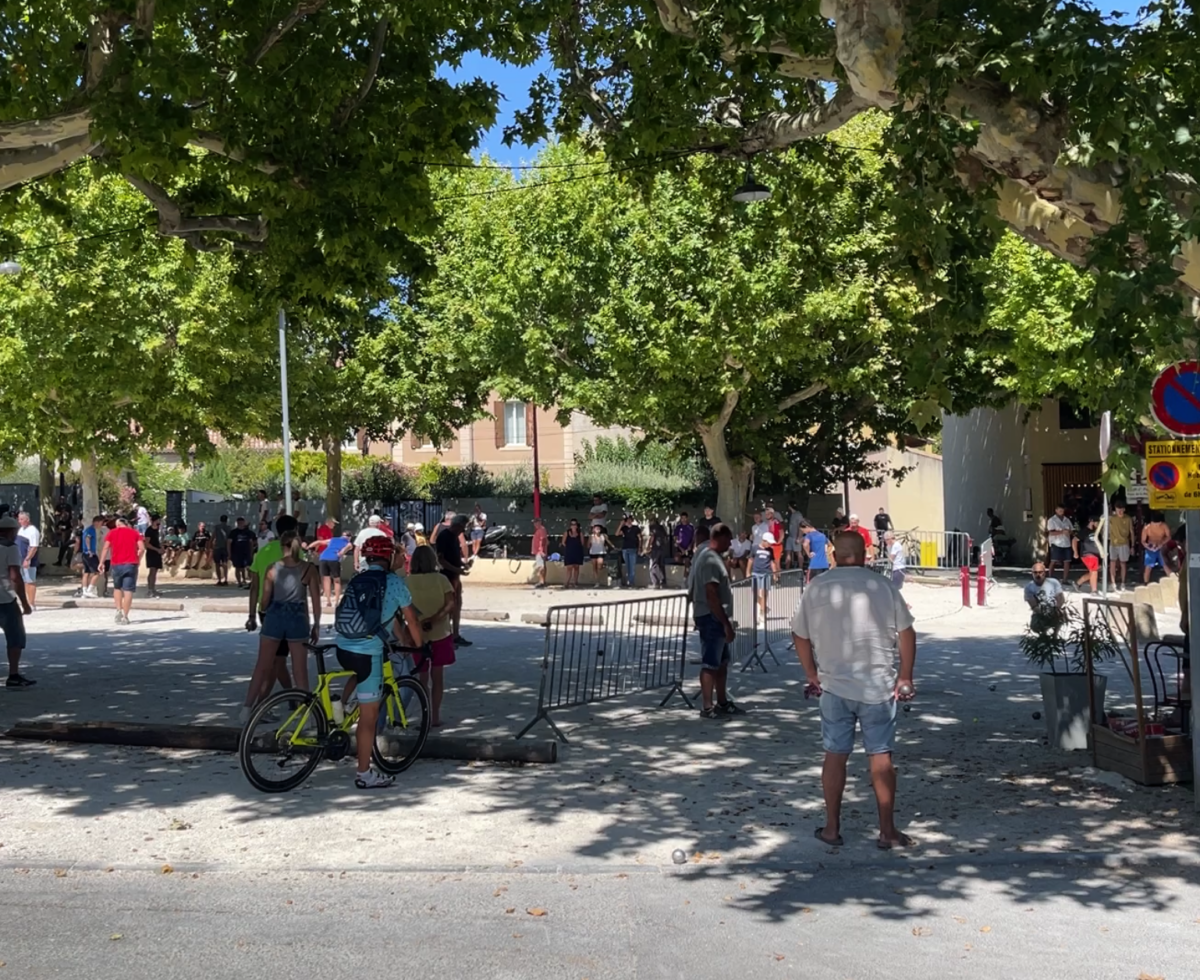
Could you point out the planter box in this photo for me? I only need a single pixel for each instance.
(1154, 762)
(1066, 708)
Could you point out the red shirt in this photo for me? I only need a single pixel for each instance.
(862, 532)
(123, 545)
(386, 528)
(541, 541)
(324, 533)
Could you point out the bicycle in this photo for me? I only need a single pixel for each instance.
(290, 732)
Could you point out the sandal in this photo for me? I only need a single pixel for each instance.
(902, 840)
(836, 842)
(16, 680)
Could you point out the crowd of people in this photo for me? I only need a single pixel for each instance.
(774, 542)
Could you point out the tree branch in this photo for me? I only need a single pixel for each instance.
(214, 143)
(31, 162)
(348, 107)
(102, 41)
(273, 36)
(777, 130)
(143, 17)
(20, 134)
(789, 402)
(173, 224)
(583, 82)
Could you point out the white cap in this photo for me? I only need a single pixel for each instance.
(769, 538)
(854, 517)
(374, 520)
(418, 526)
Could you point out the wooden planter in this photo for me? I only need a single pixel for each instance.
(1151, 760)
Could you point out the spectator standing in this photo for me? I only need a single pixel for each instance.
(89, 547)
(433, 602)
(372, 530)
(630, 534)
(1120, 538)
(289, 589)
(1087, 550)
(329, 552)
(451, 551)
(408, 541)
(243, 542)
(266, 556)
(64, 527)
(685, 535)
(265, 534)
(739, 555)
(763, 570)
(142, 518)
(758, 528)
(598, 546)
(868, 541)
(264, 509)
(541, 552)
(1060, 530)
(778, 531)
(300, 512)
(712, 611)
(125, 546)
(220, 549)
(794, 553)
(896, 560)
(154, 555)
(658, 548)
(1154, 536)
(385, 527)
(29, 540)
(883, 524)
(599, 512)
(479, 523)
(816, 550)
(710, 518)
(848, 630)
(839, 520)
(14, 604)
(572, 545)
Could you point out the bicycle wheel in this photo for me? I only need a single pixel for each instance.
(404, 722)
(283, 742)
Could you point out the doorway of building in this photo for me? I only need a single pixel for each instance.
(1074, 486)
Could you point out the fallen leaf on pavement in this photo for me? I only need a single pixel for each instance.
(959, 919)
(1149, 976)
(985, 929)
(536, 911)
(517, 935)
(922, 931)
(167, 869)
(60, 872)
(115, 936)
(778, 957)
(806, 910)
(509, 911)
(499, 891)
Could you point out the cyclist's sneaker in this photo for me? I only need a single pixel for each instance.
(16, 680)
(372, 780)
(729, 708)
(713, 712)
(119, 618)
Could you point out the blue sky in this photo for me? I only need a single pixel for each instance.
(514, 82)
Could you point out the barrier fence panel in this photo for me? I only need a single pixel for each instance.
(936, 549)
(744, 649)
(763, 611)
(599, 651)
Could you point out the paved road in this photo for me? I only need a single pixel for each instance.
(989, 923)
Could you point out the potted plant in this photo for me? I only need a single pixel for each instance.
(1055, 641)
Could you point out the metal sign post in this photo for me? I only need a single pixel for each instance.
(1105, 446)
(1193, 625)
(287, 429)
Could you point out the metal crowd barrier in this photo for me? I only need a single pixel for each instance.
(936, 549)
(599, 651)
(760, 634)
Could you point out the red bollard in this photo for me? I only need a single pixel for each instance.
(981, 586)
(965, 574)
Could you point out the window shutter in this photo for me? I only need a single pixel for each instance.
(530, 408)
(498, 412)
(414, 440)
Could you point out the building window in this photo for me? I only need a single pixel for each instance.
(514, 424)
(1073, 417)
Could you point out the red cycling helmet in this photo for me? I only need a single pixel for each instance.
(377, 546)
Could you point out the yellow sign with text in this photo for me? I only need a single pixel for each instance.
(1173, 474)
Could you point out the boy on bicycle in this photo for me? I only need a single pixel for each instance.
(370, 604)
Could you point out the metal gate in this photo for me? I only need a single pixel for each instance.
(426, 512)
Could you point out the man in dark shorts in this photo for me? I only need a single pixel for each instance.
(89, 549)
(242, 542)
(220, 550)
(712, 609)
(449, 547)
(154, 555)
(201, 547)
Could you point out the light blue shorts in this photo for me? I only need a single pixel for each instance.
(838, 718)
(29, 574)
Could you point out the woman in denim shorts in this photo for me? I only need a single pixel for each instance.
(290, 588)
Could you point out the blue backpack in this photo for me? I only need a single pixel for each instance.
(360, 613)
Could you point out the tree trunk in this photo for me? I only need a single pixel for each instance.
(333, 476)
(89, 480)
(734, 476)
(46, 499)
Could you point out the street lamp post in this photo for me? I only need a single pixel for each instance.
(287, 429)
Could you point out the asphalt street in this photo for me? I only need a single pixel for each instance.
(988, 922)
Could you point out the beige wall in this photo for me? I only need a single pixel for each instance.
(476, 443)
(914, 502)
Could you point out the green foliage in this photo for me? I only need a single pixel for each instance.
(1057, 634)
(381, 481)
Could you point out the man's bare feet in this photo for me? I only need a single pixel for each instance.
(900, 839)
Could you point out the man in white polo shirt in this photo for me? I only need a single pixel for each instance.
(849, 629)
(372, 530)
